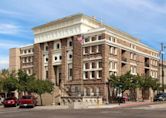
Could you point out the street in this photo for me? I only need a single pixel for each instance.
(148, 111)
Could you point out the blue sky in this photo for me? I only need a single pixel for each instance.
(144, 19)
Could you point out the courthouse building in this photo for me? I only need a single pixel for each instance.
(79, 53)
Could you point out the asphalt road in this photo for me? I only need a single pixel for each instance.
(90, 113)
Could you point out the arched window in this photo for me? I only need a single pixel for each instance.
(97, 91)
(85, 92)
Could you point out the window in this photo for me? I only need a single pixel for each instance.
(46, 74)
(97, 91)
(131, 55)
(46, 59)
(29, 59)
(29, 51)
(133, 70)
(85, 92)
(87, 39)
(93, 38)
(99, 37)
(135, 57)
(100, 48)
(100, 74)
(55, 58)
(111, 64)
(93, 74)
(86, 75)
(97, 48)
(100, 64)
(60, 57)
(70, 72)
(57, 46)
(70, 43)
(115, 51)
(86, 65)
(93, 65)
(25, 51)
(46, 48)
(70, 56)
(93, 49)
(132, 46)
(111, 50)
(113, 39)
(86, 50)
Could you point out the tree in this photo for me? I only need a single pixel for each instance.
(40, 87)
(4, 74)
(24, 81)
(9, 84)
(123, 82)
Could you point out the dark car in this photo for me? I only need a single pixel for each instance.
(27, 101)
(10, 102)
(160, 97)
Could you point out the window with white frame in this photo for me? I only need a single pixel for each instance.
(86, 75)
(133, 69)
(99, 74)
(113, 39)
(93, 49)
(92, 75)
(85, 92)
(93, 38)
(45, 47)
(87, 39)
(97, 91)
(100, 64)
(86, 50)
(97, 49)
(135, 57)
(93, 65)
(70, 43)
(113, 73)
(132, 46)
(86, 66)
(57, 45)
(131, 55)
(111, 50)
(113, 65)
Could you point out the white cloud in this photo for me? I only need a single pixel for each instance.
(7, 28)
(7, 44)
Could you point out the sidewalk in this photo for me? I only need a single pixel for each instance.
(111, 106)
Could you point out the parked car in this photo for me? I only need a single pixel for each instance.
(160, 97)
(10, 102)
(27, 101)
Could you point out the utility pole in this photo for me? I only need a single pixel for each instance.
(162, 65)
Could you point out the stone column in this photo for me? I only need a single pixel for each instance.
(64, 61)
(77, 59)
(105, 71)
(51, 72)
(38, 60)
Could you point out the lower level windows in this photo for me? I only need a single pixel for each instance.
(92, 75)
